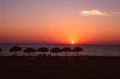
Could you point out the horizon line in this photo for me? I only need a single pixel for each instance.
(66, 44)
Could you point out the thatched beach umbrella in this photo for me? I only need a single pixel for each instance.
(77, 49)
(15, 49)
(29, 50)
(43, 49)
(55, 50)
(66, 49)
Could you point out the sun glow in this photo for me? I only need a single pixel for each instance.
(72, 42)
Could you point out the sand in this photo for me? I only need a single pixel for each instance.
(59, 67)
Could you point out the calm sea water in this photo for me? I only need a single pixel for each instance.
(90, 50)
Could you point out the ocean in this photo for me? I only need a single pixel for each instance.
(88, 50)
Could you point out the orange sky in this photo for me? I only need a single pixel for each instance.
(53, 21)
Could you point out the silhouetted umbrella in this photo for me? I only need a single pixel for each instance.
(55, 50)
(29, 50)
(77, 49)
(43, 49)
(15, 49)
(66, 49)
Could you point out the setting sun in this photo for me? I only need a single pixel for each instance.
(72, 42)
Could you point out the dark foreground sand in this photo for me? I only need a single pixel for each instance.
(58, 67)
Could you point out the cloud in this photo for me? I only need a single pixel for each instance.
(93, 13)
(115, 13)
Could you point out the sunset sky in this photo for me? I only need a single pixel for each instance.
(60, 21)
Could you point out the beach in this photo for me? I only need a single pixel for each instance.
(95, 61)
(60, 67)
(60, 39)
